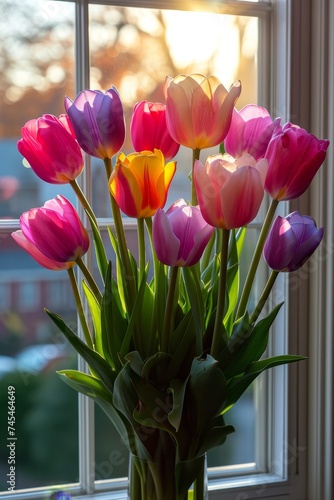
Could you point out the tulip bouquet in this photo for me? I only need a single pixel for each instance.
(169, 355)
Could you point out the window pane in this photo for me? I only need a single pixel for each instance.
(37, 70)
(46, 409)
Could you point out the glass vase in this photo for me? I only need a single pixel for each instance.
(186, 480)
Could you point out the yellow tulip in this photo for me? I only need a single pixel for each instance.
(140, 182)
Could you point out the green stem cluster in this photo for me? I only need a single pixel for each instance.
(218, 327)
(80, 309)
(196, 154)
(255, 260)
(171, 298)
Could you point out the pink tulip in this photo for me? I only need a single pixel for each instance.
(180, 234)
(51, 150)
(98, 121)
(230, 192)
(53, 234)
(291, 241)
(149, 130)
(199, 109)
(294, 157)
(250, 132)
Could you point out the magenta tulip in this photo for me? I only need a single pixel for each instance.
(98, 121)
(51, 150)
(149, 130)
(230, 192)
(199, 109)
(53, 234)
(294, 157)
(250, 132)
(291, 241)
(180, 234)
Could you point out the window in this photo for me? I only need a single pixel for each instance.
(28, 296)
(52, 48)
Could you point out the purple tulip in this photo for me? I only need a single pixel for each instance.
(250, 132)
(291, 241)
(98, 121)
(180, 234)
(53, 234)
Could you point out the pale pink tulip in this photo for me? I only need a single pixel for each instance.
(250, 132)
(230, 191)
(199, 109)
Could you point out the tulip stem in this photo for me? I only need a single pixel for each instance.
(90, 280)
(83, 200)
(194, 201)
(264, 297)
(159, 291)
(80, 308)
(125, 260)
(156, 262)
(207, 255)
(256, 259)
(171, 298)
(218, 328)
(103, 260)
(141, 248)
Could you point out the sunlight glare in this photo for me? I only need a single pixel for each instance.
(196, 37)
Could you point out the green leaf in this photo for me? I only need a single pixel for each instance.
(135, 361)
(94, 389)
(182, 347)
(100, 252)
(96, 362)
(112, 323)
(145, 318)
(238, 385)
(249, 345)
(133, 330)
(86, 384)
(119, 273)
(216, 436)
(205, 378)
(126, 401)
(186, 473)
(232, 287)
(194, 292)
(155, 368)
(177, 389)
(95, 311)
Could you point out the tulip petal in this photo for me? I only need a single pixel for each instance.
(39, 257)
(166, 244)
(199, 109)
(40, 147)
(291, 241)
(245, 187)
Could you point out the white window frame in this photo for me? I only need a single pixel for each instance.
(302, 90)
